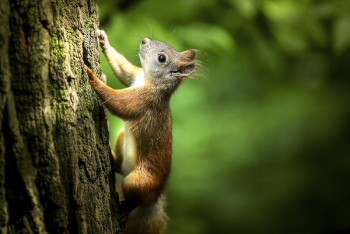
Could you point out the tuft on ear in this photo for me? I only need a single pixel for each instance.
(186, 69)
(188, 55)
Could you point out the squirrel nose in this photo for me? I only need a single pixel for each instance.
(145, 40)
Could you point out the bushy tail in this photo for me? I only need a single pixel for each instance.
(150, 219)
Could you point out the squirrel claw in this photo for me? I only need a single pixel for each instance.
(99, 32)
(125, 207)
(103, 39)
(124, 218)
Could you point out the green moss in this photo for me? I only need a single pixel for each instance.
(64, 94)
(57, 48)
(92, 19)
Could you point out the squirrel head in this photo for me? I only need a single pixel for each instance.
(163, 65)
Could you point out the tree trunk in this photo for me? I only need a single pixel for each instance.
(55, 169)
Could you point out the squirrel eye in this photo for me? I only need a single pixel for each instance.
(161, 58)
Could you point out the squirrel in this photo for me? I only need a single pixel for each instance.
(144, 146)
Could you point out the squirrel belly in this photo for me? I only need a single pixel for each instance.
(144, 146)
(129, 151)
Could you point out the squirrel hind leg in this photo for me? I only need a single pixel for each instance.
(118, 161)
(119, 149)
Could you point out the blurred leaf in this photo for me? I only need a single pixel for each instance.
(283, 11)
(207, 38)
(247, 8)
(341, 33)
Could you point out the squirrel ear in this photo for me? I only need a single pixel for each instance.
(187, 55)
(186, 69)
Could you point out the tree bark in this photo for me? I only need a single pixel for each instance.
(55, 168)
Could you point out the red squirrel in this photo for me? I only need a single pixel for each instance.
(144, 146)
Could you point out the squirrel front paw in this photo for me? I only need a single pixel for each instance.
(102, 36)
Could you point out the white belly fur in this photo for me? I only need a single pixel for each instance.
(129, 154)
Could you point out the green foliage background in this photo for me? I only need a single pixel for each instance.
(261, 143)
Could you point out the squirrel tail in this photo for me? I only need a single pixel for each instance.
(147, 219)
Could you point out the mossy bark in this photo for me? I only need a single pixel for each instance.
(55, 168)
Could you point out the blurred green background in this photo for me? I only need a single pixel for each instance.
(262, 141)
